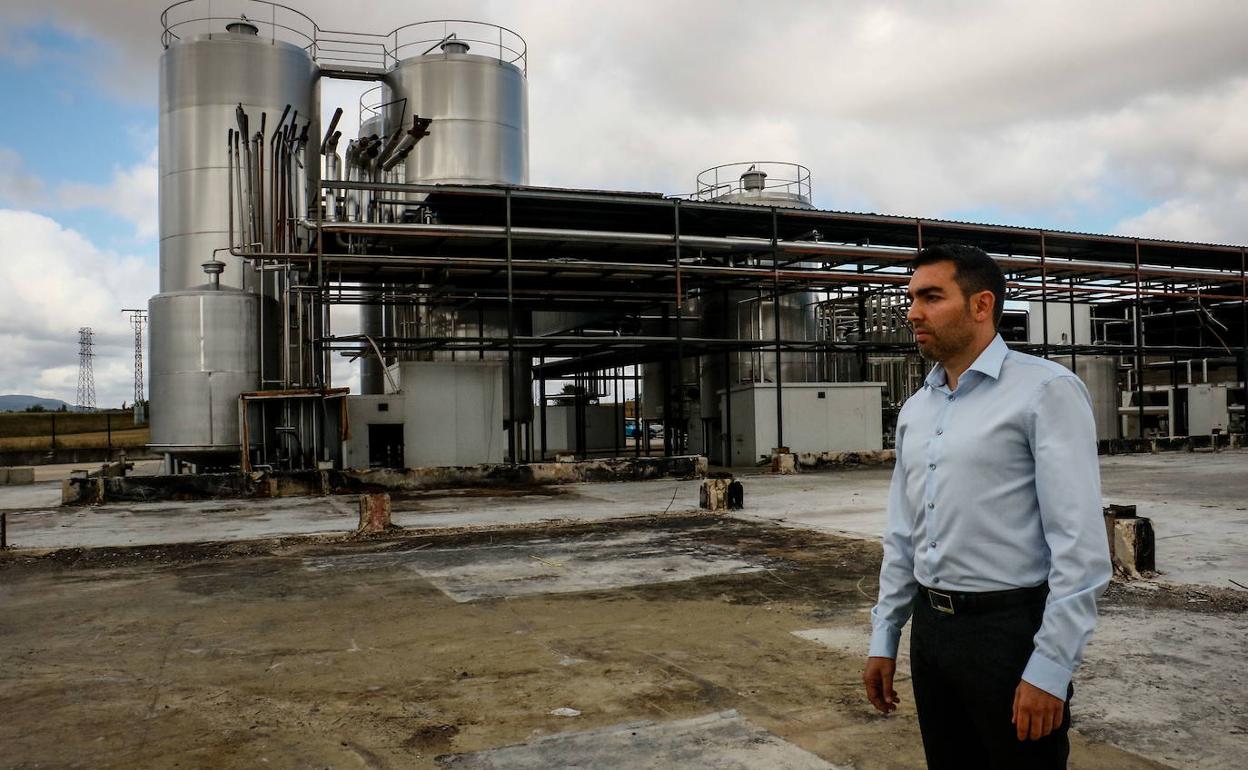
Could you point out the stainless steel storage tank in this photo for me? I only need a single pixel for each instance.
(205, 342)
(469, 77)
(203, 78)
(750, 315)
(1100, 376)
(204, 353)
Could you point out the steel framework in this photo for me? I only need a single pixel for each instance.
(138, 319)
(634, 264)
(86, 375)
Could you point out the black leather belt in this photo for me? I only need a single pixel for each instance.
(967, 602)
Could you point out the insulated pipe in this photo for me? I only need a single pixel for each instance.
(400, 152)
(331, 133)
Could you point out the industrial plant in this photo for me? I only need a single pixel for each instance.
(740, 319)
(611, 490)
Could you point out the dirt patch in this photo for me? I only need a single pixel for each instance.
(432, 738)
(238, 655)
(1202, 599)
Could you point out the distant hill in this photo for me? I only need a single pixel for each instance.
(16, 403)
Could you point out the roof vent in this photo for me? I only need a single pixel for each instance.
(452, 45)
(754, 180)
(242, 27)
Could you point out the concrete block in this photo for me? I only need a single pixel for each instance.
(20, 475)
(1134, 550)
(784, 462)
(721, 493)
(82, 491)
(374, 512)
(713, 495)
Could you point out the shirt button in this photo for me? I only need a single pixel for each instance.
(931, 467)
(935, 580)
(951, 398)
(932, 544)
(939, 431)
(931, 505)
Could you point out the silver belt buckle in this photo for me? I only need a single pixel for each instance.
(940, 602)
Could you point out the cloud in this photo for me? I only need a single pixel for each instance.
(53, 282)
(1214, 218)
(131, 194)
(1118, 116)
(18, 187)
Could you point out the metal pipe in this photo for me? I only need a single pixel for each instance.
(757, 245)
(329, 132)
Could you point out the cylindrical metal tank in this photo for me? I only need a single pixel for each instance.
(205, 348)
(478, 100)
(748, 314)
(202, 81)
(469, 78)
(204, 353)
(1100, 377)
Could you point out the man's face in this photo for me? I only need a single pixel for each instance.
(940, 314)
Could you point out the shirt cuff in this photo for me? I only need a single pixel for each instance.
(884, 640)
(1051, 677)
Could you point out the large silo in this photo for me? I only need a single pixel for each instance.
(469, 78)
(204, 79)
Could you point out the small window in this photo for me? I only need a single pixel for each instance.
(822, 394)
(383, 407)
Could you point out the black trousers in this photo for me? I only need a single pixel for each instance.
(965, 669)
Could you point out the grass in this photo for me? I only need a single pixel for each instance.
(130, 438)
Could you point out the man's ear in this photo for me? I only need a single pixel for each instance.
(983, 305)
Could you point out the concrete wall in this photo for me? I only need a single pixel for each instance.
(453, 412)
(363, 411)
(818, 418)
(1059, 323)
(603, 423)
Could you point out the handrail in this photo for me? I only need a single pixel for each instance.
(278, 22)
(728, 178)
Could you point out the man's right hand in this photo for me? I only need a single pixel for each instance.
(879, 681)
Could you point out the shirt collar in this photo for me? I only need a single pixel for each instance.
(988, 363)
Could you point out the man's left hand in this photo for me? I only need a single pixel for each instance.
(1036, 712)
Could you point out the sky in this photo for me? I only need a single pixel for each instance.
(1105, 116)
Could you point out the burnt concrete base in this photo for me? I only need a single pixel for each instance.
(1122, 446)
(71, 456)
(207, 486)
(845, 459)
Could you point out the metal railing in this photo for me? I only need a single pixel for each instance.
(277, 22)
(777, 176)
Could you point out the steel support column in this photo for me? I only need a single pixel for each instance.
(511, 344)
(1139, 345)
(775, 309)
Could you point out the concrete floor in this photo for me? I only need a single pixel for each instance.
(458, 642)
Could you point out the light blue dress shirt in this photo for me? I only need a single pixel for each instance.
(997, 486)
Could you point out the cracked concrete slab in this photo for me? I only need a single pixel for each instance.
(593, 562)
(723, 741)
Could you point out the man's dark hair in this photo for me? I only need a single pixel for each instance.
(974, 271)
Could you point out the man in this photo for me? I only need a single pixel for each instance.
(995, 540)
